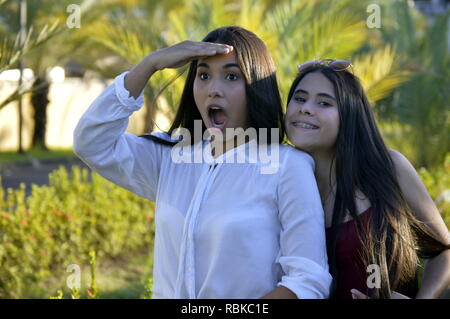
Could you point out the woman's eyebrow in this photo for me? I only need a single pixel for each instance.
(228, 65)
(327, 96)
(320, 94)
(301, 91)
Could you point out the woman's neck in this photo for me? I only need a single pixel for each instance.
(326, 178)
(219, 147)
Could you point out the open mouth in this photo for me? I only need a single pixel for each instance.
(217, 116)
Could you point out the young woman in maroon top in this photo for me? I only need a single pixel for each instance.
(377, 210)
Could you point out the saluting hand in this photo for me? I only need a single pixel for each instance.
(181, 53)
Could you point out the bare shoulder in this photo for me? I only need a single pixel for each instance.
(402, 165)
(407, 175)
(417, 196)
(398, 158)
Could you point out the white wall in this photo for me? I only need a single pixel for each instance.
(68, 101)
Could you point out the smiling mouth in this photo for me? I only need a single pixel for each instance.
(305, 126)
(217, 116)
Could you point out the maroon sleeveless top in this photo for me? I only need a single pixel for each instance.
(351, 273)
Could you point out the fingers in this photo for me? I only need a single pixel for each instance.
(208, 45)
(356, 294)
(199, 49)
(220, 48)
(397, 295)
(181, 53)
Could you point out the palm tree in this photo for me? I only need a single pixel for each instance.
(130, 30)
(417, 113)
(12, 49)
(295, 31)
(51, 19)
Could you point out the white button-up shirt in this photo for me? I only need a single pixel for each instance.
(222, 231)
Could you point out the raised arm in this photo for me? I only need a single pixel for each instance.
(170, 57)
(100, 139)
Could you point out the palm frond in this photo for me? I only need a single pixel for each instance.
(306, 30)
(378, 72)
(13, 50)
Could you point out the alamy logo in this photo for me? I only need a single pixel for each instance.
(74, 19)
(374, 279)
(74, 280)
(374, 20)
(265, 153)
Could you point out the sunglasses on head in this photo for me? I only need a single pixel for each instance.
(336, 65)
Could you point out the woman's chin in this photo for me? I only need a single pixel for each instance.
(306, 147)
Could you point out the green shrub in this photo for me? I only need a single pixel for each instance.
(60, 224)
(75, 220)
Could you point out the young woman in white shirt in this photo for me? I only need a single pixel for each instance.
(223, 230)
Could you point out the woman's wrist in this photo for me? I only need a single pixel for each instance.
(138, 76)
(155, 61)
(150, 65)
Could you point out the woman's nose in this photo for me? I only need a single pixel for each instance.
(306, 108)
(214, 89)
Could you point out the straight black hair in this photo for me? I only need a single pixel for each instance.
(395, 238)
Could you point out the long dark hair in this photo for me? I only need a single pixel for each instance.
(395, 239)
(264, 108)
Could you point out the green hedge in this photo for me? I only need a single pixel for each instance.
(64, 222)
(60, 224)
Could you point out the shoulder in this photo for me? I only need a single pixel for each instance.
(401, 164)
(165, 136)
(397, 157)
(409, 180)
(417, 196)
(162, 138)
(292, 157)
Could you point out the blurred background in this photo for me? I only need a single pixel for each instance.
(56, 57)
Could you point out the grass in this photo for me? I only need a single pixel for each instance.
(125, 278)
(117, 278)
(15, 157)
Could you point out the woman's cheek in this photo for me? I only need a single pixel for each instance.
(334, 128)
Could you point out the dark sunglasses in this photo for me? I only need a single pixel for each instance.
(336, 65)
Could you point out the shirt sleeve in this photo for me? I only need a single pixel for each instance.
(101, 142)
(303, 255)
